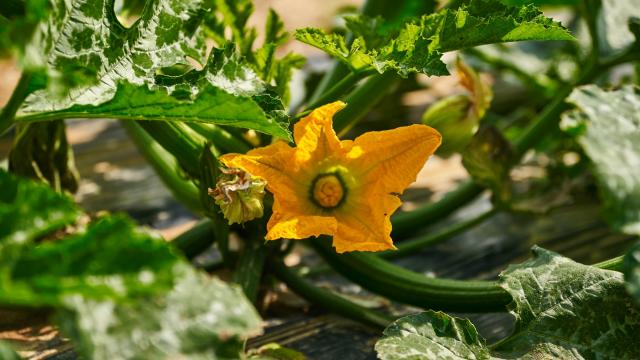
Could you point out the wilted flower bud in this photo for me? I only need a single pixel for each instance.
(239, 195)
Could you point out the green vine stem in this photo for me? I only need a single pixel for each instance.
(221, 138)
(328, 300)
(403, 224)
(176, 139)
(8, 114)
(251, 263)
(405, 286)
(408, 287)
(165, 165)
(344, 85)
(615, 264)
(195, 240)
(361, 100)
(411, 246)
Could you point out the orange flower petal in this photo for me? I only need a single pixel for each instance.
(272, 163)
(297, 226)
(314, 135)
(366, 225)
(393, 158)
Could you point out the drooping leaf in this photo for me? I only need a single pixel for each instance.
(200, 318)
(563, 310)
(41, 151)
(96, 66)
(607, 125)
(419, 44)
(632, 271)
(111, 259)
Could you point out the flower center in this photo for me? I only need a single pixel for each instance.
(328, 190)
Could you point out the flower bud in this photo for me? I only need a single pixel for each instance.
(457, 117)
(239, 195)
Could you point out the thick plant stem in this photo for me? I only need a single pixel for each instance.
(338, 89)
(175, 138)
(411, 246)
(405, 223)
(222, 139)
(196, 240)
(408, 287)
(165, 166)
(250, 265)
(363, 99)
(328, 300)
(8, 114)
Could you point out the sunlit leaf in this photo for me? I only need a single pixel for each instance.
(420, 43)
(97, 68)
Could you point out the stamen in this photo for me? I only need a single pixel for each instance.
(328, 190)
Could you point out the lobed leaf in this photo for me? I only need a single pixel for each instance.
(563, 310)
(96, 67)
(607, 125)
(419, 44)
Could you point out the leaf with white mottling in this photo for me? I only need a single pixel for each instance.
(95, 66)
(607, 125)
(564, 310)
(200, 318)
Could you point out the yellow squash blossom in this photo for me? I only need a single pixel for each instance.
(347, 189)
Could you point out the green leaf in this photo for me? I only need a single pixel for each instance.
(632, 271)
(119, 292)
(567, 308)
(419, 44)
(29, 210)
(431, 335)
(111, 259)
(98, 68)
(607, 125)
(200, 318)
(563, 310)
